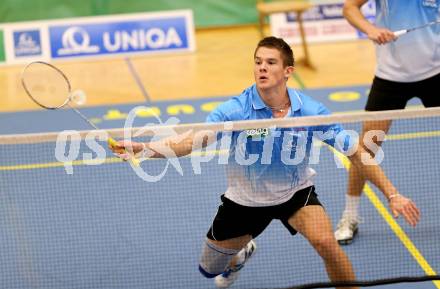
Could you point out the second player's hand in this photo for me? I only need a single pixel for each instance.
(401, 205)
(381, 35)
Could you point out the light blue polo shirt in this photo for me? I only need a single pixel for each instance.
(416, 55)
(267, 166)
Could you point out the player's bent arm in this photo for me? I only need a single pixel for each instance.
(352, 12)
(374, 173)
(399, 204)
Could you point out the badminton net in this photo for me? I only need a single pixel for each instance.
(72, 215)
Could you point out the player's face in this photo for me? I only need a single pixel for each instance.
(269, 70)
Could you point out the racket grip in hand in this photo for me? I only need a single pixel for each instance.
(112, 142)
(134, 161)
(399, 32)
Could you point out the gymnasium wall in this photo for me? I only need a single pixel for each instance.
(207, 13)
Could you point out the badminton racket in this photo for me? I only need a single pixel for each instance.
(404, 31)
(50, 88)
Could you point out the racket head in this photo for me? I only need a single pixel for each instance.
(46, 85)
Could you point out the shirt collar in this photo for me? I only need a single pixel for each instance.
(295, 100)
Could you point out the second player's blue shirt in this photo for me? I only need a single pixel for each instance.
(414, 56)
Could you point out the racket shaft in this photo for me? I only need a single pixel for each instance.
(83, 117)
(404, 31)
(111, 141)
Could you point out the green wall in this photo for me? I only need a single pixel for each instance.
(207, 13)
(2, 48)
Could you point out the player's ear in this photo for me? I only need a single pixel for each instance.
(288, 71)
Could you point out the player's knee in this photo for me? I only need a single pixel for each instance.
(215, 259)
(325, 245)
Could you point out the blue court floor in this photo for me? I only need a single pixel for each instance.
(103, 227)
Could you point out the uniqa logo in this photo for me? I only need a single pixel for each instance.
(76, 40)
(153, 38)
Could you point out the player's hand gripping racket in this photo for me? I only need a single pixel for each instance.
(404, 31)
(50, 88)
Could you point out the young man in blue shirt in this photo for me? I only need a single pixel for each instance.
(264, 182)
(406, 67)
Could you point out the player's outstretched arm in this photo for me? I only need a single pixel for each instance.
(174, 146)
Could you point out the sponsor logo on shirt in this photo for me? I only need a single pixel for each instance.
(430, 3)
(262, 132)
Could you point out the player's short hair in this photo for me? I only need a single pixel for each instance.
(280, 45)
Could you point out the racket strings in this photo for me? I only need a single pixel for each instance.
(46, 85)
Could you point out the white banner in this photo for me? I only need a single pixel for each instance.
(322, 23)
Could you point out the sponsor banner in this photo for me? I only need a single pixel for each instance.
(100, 36)
(123, 36)
(25, 42)
(2, 47)
(322, 23)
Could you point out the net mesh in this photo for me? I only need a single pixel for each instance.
(95, 222)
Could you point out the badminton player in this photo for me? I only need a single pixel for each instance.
(271, 189)
(407, 67)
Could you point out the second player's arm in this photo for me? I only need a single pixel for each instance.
(352, 12)
(399, 204)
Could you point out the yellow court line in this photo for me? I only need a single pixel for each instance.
(409, 107)
(95, 161)
(413, 135)
(59, 164)
(395, 227)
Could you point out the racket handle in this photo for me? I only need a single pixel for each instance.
(134, 161)
(112, 142)
(400, 32)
